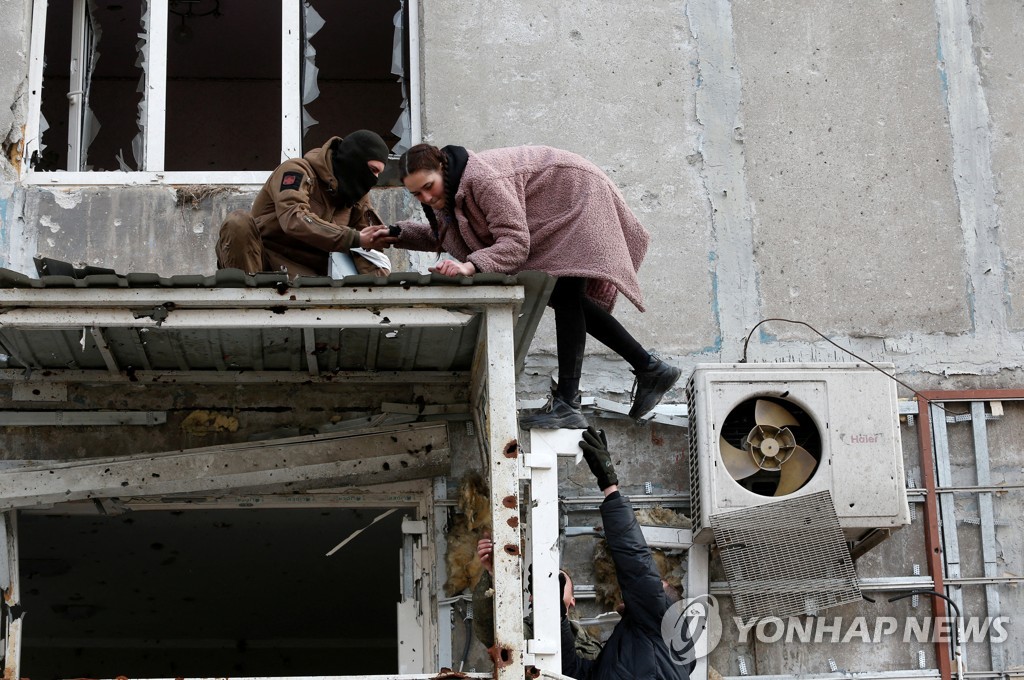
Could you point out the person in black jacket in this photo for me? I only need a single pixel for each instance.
(636, 648)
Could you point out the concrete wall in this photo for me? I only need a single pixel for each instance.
(13, 83)
(850, 166)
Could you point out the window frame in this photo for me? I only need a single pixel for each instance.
(11, 624)
(417, 615)
(152, 172)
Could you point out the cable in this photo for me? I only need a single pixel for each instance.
(468, 620)
(843, 349)
(960, 618)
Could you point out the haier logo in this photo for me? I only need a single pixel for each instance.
(861, 438)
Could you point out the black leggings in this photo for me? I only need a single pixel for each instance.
(575, 316)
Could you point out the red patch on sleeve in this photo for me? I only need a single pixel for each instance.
(291, 180)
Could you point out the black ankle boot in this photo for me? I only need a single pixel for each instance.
(650, 386)
(555, 415)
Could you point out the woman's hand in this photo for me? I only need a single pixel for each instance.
(453, 268)
(485, 550)
(375, 237)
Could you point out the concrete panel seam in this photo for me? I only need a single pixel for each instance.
(970, 128)
(719, 99)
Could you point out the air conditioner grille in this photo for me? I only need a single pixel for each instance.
(788, 558)
(694, 453)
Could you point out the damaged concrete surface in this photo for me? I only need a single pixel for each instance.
(163, 230)
(13, 83)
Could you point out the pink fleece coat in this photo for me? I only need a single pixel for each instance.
(538, 208)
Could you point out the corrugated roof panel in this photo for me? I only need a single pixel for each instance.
(233, 322)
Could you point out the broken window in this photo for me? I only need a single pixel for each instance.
(353, 66)
(79, 88)
(210, 592)
(210, 90)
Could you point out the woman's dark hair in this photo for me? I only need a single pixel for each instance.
(428, 157)
(421, 157)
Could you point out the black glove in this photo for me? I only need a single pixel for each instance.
(595, 451)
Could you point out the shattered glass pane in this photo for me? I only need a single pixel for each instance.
(403, 126)
(355, 85)
(53, 147)
(312, 22)
(89, 101)
(111, 94)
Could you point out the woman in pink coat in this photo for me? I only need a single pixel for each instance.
(539, 208)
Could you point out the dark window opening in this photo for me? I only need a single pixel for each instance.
(353, 58)
(116, 88)
(223, 85)
(208, 593)
(56, 85)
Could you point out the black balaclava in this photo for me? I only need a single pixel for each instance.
(349, 158)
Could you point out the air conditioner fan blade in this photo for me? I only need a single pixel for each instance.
(770, 413)
(795, 471)
(738, 462)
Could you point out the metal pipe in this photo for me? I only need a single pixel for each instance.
(972, 395)
(931, 527)
(986, 518)
(947, 511)
(990, 488)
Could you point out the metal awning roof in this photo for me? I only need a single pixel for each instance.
(260, 327)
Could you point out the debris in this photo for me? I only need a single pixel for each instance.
(464, 566)
(201, 423)
(359, 531)
(193, 195)
(447, 673)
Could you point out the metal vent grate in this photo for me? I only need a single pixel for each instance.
(694, 464)
(787, 558)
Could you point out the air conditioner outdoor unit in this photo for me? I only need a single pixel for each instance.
(761, 433)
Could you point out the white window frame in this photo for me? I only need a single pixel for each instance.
(10, 582)
(153, 172)
(416, 613)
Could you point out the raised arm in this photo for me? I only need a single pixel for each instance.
(638, 577)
